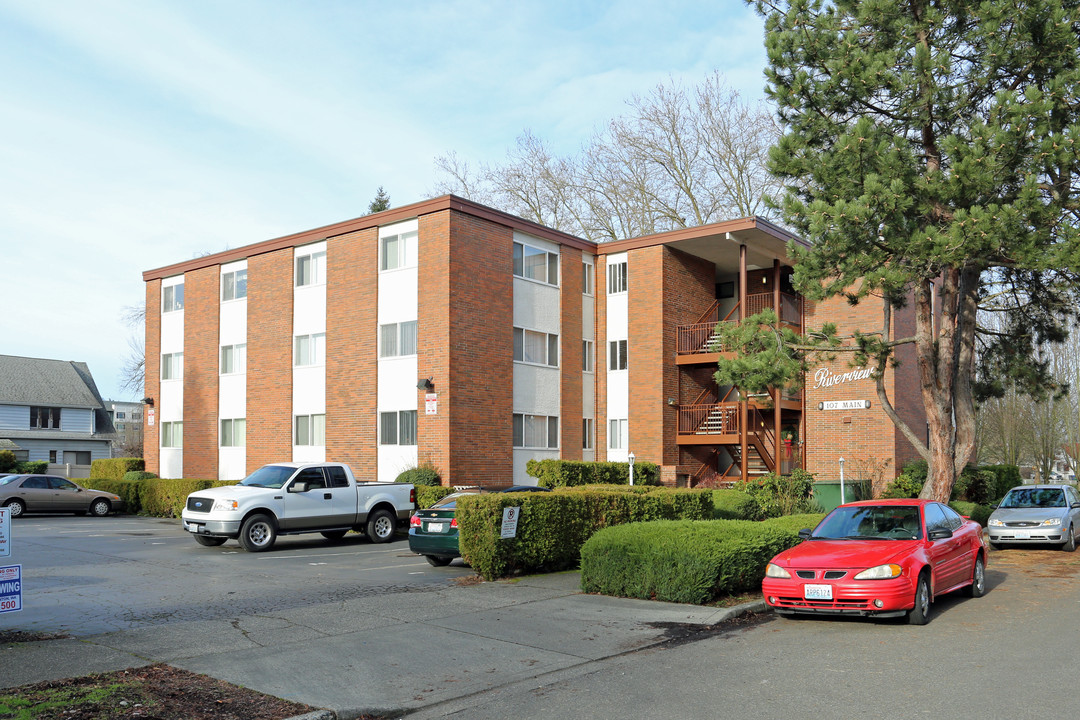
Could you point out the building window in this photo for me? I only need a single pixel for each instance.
(399, 251)
(616, 278)
(311, 269)
(617, 439)
(617, 355)
(120, 415)
(310, 350)
(397, 339)
(234, 285)
(172, 434)
(536, 264)
(586, 356)
(172, 298)
(586, 433)
(397, 427)
(310, 430)
(536, 348)
(537, 432)
(233, 359)
(587, 275)
(52, 457)
(172, 366)
(233, 432)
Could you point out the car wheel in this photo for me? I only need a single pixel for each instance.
(209, 541)
(381, 526)
(334, 534)
(16, 507)
(100, 508)
(977, 588)
(258, 533)
(920, 614)
(437, 560)
(1070, 544)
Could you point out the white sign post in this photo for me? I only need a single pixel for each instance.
(631, 459)
(842, 500)
(5, 532)
(510, 521)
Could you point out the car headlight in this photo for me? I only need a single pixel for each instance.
(775, 571)
(1052, 521)
(881, 572)
(994, 522)
(226, 505)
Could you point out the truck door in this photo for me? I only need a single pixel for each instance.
(344, 496)
(310, 508)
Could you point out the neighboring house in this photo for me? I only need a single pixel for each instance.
(50, 410)
(127, 419)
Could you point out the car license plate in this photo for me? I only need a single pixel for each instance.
(817, 592)
(435, 527)
(192, 528)
(1022, 534)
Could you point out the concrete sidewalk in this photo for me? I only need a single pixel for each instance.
(394, 653)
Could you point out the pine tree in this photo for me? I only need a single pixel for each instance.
(931, 152)
(380, 203)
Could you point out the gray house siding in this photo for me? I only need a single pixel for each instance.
(38, 450)
(14, 417)
(77, 420)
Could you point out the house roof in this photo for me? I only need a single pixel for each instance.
(35, 381)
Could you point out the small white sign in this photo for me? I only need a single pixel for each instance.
(149, 416)
(845, 405)
(510, 521)
(10, 588)
(431, 404)
(5, 532)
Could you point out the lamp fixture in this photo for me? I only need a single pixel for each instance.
(671, 401)
(148, 401)
(425, 384)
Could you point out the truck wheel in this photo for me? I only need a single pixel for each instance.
(437, 560)
(381, 526)
(258, 533)
(209, 541)
(334, 534)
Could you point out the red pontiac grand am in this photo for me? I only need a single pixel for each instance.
(883, 558)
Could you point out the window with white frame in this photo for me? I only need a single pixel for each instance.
(172, 298)
(587, 275)
(397, 427)
(45, 418)
(311, 269)
(234, 285)
(587, 433)
(309, 430)
(616, 278)
(172, 366)
(233, 432)
(399, 251)
(537, 348)
(309, 350)
(233, 359)
(536, 264)
(397, 339)
(587, 359)
(172, 434)
(617, 355)
(536, 432)
(617, 434)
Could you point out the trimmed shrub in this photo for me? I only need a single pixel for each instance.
(734, 505)
(552, 527)
(904, 486)
(1006, 477)
(795, 523)
(570, 473)
(7, 461)
(423, 475)
(136, 475)
(32, 467)
(777, 495)
(115, 468)
(426, 496)
(128, 490)
(161, 497)
(978, 513)
(681, 561)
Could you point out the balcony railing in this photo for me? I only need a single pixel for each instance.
(700, 337)
(710, 419)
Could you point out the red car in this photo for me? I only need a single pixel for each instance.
(882, 558)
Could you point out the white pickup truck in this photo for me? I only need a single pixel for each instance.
(294, 498)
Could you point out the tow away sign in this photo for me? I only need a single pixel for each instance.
(5, 532)
(10, 588)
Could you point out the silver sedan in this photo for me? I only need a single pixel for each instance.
(1036, 514)
(51, 494)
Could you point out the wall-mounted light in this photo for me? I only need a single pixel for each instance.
(148, 401)
(425, 384)
(671, 401)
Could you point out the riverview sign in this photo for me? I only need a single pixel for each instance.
(825, 378)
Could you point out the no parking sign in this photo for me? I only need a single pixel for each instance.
(10, 588)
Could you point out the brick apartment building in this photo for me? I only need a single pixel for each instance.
(451, 333)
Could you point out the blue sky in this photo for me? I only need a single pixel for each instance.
(139, 133)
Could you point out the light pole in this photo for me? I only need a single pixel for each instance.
(631, 459)
(842, 501)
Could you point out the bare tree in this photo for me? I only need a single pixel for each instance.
(133, 371)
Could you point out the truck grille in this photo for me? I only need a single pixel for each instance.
(198, 504)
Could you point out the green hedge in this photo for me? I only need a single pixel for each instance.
(978, 513)
(136, 475)
(423, 475)
(114, 468)
(682, 561)
(426, 495)
(731, 504)
(157, 497)
(1006, 477)
(128, 490)
(795, 523)
(32, 467)
(553, 526)
(569, 473)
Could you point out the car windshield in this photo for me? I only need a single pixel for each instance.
(270, 476)
(1034, 498)
(8, 479)
(450, 501)
(886, 522)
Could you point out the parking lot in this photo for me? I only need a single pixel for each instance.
(84, 575)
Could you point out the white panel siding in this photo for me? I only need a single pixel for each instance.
(233, 327)
(171, 463)
(397, 384)
(309, 382)
(232, 463)
(170, 406)
(309, 453)
(521, 460)
(309, 390)
(618, 381)
(536, 390)
(536, 306)
(395, 458)
(15, 417)
(232, 396)
(588, 317)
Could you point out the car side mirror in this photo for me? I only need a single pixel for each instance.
(299, 486)
(804, 534)
(940, 534)
(1075, 505)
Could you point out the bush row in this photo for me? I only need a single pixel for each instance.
(684, 561)
(115, 468)
(157, 497)
(981, 485)
(428, 495)
(552, 527)
(569, 473)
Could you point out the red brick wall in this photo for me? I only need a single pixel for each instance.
(352, 293)
(433, 342)
(646, 361)
(269, 351)
(202, 316)
(152, 376)
(570, 363)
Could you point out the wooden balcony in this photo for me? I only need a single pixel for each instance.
(699, 343)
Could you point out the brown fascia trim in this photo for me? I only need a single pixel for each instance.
(386, 217)
(748, 223)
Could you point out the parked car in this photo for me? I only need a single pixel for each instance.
(52, 494)
(433, 531)
(1036, 514)
(881, 558)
